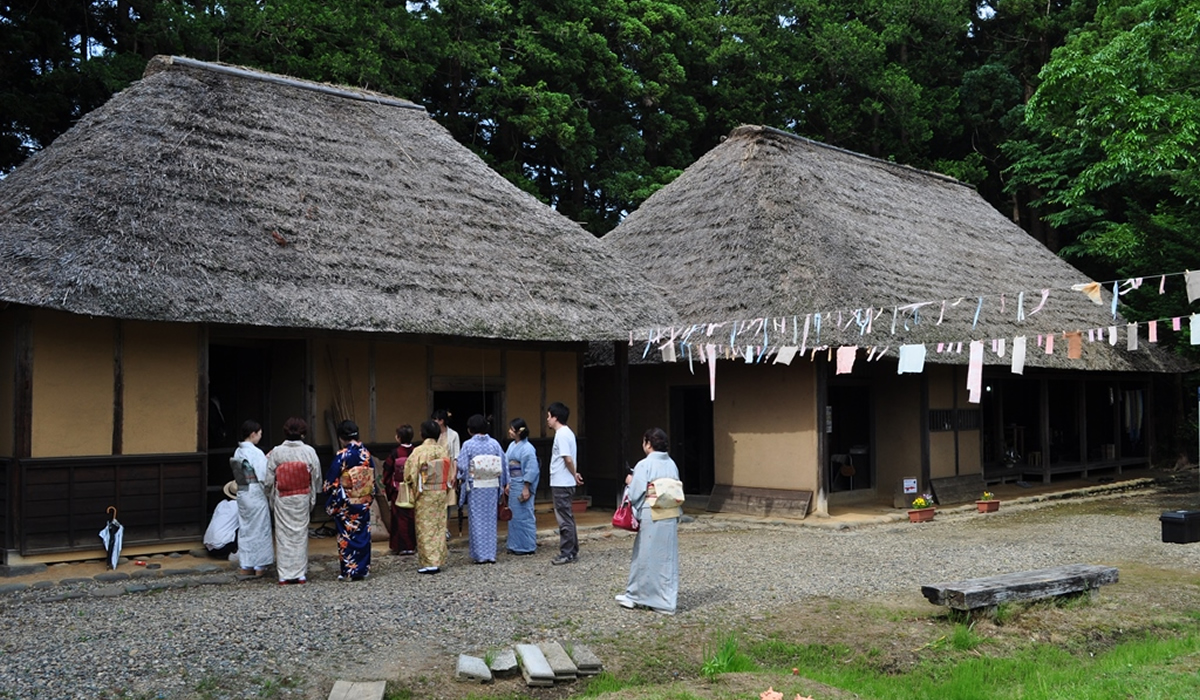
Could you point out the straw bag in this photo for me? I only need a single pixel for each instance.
(625, 518)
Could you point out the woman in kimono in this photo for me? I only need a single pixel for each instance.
(654, 570)
(402, 535)
(483, 477)
(428, 474)
(249, 465)
(522, 484)
(293, 479)
(350, 485)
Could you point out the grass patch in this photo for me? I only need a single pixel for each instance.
(727, 658)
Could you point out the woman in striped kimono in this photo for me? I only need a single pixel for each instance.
(293, 479)
(483, 477)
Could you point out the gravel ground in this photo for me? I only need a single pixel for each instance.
(180, 638)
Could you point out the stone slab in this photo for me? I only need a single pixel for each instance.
(10, 570)
(472, 668)
(587, 662)
(110, 576)
(559, 660)
(358, 690)
(534, 667)
(504, 663)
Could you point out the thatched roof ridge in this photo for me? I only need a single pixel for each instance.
(770, 224)
(210, 193)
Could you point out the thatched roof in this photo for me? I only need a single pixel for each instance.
(769, 224)
(207, 193)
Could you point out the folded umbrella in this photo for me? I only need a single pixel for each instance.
(112, 534)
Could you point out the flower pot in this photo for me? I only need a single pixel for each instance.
(579, 505)
(988, 506)
(920, 515)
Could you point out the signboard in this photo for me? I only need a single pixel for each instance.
(910, 485)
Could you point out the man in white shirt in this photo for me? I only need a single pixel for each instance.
(564, 477)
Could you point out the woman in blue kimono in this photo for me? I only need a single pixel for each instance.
(483, 477)
(350, 485)
(654, 571)
(522, 463)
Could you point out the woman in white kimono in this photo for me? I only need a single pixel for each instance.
(654, 570)
(293, 479)
(255, 549)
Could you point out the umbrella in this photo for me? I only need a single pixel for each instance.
(112, 534)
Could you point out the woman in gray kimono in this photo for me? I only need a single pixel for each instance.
(654, 570)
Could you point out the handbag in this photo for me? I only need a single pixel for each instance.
(625, 518)
(403, 497)
(503, 512)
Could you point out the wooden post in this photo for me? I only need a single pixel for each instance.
(821, 367)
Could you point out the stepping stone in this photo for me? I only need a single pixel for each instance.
(472, 668)
(13, 587)
(504, 663)
(111, 576)
(560, 662)
(358, 690)
(534, 667)
(7, 570)
(587, 662)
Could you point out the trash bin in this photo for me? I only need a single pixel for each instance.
(1180, 526)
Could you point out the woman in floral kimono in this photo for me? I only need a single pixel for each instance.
(255, 550)
(522, 484)
(483, 476)
(350, 484)
(428, 474)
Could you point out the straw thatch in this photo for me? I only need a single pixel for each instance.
(206, 193)
(769, 224)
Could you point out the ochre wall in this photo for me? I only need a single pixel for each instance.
(523, 390)
(160, 373)
(8, 369)
(897, 430)
(72, 385)
(401, 389)
(456, 361)
(764, 425)
(562, 384)
(350, 367)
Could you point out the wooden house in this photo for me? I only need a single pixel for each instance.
(216, 244)
(772, 226)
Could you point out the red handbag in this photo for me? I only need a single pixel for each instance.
(503, 512)
(625, 518)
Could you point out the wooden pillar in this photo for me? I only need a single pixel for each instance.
(1044, 426)
(923, 417)
(1081, 422)
(821, 367)
(118, 426)
(621, 377)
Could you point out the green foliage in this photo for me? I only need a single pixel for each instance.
(726, 658)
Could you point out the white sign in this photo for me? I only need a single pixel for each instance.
(910, 485)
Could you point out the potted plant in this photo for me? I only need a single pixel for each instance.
(988, 504)
(922, 509)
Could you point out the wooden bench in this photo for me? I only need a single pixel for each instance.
(988, 592)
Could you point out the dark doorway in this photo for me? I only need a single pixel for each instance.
(848, 428)
(691, 435)
(464, 404)
(261, 380)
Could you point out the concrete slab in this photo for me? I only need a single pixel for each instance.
(560, 662)
(472, 668)
(534, 667)
(504, 663)
(357, 690)
(587, 662)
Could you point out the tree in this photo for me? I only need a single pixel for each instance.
(1114, 128)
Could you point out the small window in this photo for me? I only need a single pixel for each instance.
(970, 419)
(941, 420)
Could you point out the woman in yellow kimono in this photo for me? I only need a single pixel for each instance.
(428, 473)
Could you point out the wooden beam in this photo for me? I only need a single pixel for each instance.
(118, 426)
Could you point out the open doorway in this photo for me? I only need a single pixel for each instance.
(848, 429)
(691, 435)
(464, 404)
(260, 380)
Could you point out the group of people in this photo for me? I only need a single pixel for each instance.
(421, 480)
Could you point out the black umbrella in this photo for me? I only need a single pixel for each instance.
(112, 534)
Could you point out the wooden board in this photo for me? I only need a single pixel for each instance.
(784, 503)
(991, 591)
(957, 489)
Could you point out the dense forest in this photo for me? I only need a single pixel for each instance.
(1079, 119)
